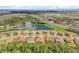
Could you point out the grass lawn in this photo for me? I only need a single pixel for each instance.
(55, 27)
(48, 47)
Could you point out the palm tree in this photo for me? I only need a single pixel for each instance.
(15, 34)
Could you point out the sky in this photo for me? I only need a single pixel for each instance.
(36, 4)
(39, 7)
(39, 2)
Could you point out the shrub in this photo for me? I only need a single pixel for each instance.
(47, 47)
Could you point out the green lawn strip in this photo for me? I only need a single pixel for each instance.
(55, 27)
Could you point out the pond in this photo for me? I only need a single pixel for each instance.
(32, 28)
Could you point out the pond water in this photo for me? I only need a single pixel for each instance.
(33, 28)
